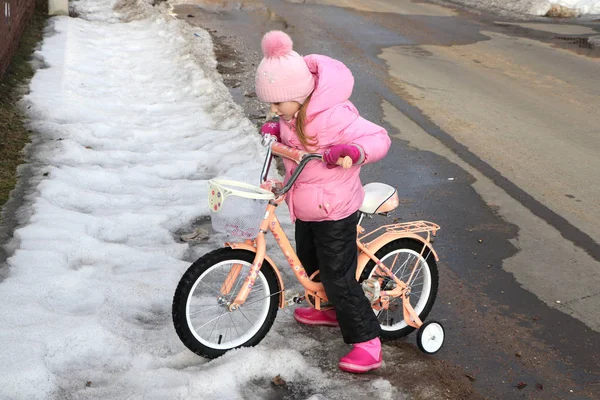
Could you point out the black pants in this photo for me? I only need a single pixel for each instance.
(330, 246)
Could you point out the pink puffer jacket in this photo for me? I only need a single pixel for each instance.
(322, 194)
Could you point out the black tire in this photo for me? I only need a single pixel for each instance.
(415, 246)
(194, 272)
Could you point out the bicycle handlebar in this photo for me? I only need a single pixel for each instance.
(299, 156)
(308, 157)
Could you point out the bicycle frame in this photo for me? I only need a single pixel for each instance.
(420, 231)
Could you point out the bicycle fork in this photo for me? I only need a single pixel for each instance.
(235, 271)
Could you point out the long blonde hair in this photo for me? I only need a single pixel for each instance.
(307, 141)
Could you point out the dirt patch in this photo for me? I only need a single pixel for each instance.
(13, 134)
(229, 62)
(430, 379)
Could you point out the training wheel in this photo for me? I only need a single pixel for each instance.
(430, 337)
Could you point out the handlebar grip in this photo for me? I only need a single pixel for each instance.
(345, 162)
(288, 152)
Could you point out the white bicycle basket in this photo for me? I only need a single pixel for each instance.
(237, 207)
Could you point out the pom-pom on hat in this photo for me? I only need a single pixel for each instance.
(282, 74)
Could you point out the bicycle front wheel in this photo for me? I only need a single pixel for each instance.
(201, 313)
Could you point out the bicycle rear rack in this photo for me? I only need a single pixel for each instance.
(413, 227)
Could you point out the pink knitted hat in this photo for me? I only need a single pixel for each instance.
(282, 74)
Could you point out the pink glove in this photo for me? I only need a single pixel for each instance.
(333, 153)
(271, 128)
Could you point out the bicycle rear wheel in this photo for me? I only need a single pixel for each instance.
(200, 308)
(401, 256)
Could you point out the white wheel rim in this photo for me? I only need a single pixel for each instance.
(432, 337)
(421, 279)
(241, 325)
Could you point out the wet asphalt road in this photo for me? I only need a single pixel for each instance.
(498, 333)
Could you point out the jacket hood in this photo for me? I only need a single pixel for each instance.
(333, 83)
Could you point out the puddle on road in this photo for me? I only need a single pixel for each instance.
(221, 5)
(382, 6)
(561, 29)
(577, 38)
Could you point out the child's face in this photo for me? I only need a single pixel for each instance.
(286, 109)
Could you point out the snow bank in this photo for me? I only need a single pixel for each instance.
(131, 121)
(566, 8)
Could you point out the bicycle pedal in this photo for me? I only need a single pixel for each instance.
(372, 290)
(293, 298)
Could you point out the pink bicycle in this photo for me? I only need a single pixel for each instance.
(229, 297)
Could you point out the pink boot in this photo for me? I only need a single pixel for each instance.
(364, 357)
(310, 316)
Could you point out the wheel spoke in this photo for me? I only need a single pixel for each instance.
(266, 297)
(255, 292)
(197, 313)
(216, 323)
(211, 288)
(417, 274)
(402, 267)
(244, 315)
(234, 324)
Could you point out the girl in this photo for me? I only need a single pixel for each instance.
(310, 96)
